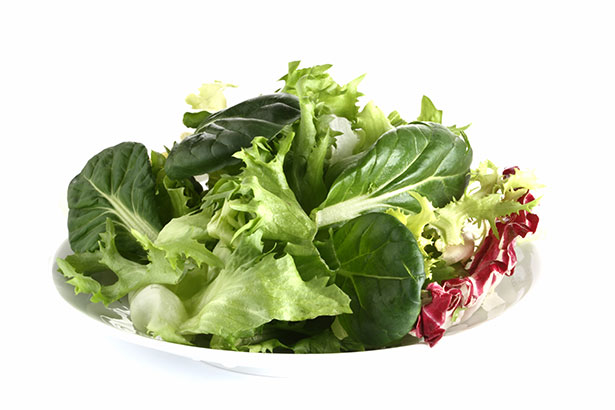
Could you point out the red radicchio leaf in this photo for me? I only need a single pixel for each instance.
(494, 259)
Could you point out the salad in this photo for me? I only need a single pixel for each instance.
(297, 221)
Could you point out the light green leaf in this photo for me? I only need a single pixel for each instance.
(371, 123)
(157, 311)
(130, 275)
(210, 97)
(429, 112)
(321, 100)
(254, 289)
(182, 238)
(259, 198)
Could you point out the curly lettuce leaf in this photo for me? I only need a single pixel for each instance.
(490, 195)
(321, 100)
(255, 288)
(371, 123)
(181, 239)
(259, 198)
(174, 197)
(129, 275)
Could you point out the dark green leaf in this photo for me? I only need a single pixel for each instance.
(382, 270)
(423, 157)
(323, 342)
(194, 119)
(222, 134)
(117, 184)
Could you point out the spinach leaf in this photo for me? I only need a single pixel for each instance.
(194, 119)
(117, 184)
(222, 134)
(423, 157)
(382, 270)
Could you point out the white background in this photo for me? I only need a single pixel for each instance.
(534, 78)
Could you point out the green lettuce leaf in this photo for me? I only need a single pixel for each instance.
(429, 112)
(174, 197)
(259, 198)
(321, 99)
(129, 275)
(255, 288)
(157, 311)
(372, 123)
(273, 205)
(181, 239)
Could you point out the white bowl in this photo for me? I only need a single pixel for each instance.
(116, 319)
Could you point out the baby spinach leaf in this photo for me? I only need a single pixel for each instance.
(225, 132)
(423, 157)
(117, 184)
(382, 270)
(194, 119)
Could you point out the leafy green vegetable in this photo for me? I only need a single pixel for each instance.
(194, 119)
(382, 272)
(321, 100)
(211, 97)
(159, 312)
(115, 184)
(174, 197)
(255, 288)
(222, 134)
(492, 198)
(423, 157)
(372, 123)
(429, 112)
(130, 275)
(323, 226)
(273, 204)
(259, 198)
